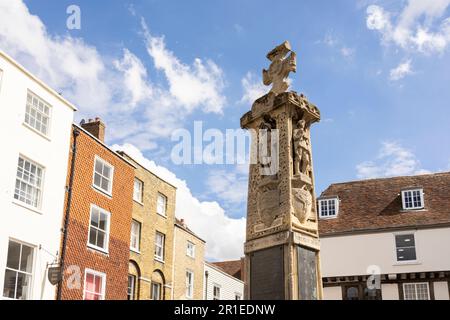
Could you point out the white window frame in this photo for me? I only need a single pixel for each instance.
(320, 203)
(422, 200)
(98, 274)
(400, 262)
(190, 249)
(111, 179)
(189, 284)
(415, 284)
(141, 190)
(158, 285)
(108, 224)
(160, 195)
(133, 287)
(161, 246)
(50, 109)
(31, 285)
(215, 285)
(138, 248)
(40, 188)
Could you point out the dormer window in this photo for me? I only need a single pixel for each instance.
(412, 199)
(328, 208)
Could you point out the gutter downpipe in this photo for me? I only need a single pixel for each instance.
(75, 133)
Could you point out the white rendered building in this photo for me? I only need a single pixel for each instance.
(219, 285)
(386, 238)
(35, 142)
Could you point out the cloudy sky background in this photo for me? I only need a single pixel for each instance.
(378, 71)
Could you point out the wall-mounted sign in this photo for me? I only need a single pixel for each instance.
(54, 275)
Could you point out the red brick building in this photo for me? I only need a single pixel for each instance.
(96, 242)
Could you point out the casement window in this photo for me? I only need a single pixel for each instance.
(155, 291)
(135, 235)
(161, 204)
(94, 285)
(19, 271)
(405, 247)
(37, 114)
(103, 175)
(189, 284)
(190, 249)
(216, 292)
(99, 229)
(160, 239)
(131, 287)
(416, 291)
(412, 199)
(328, 208)
(29, 178)
(138, 189)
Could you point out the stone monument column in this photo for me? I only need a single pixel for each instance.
(282, 242)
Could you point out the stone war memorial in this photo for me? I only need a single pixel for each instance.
(282, 242)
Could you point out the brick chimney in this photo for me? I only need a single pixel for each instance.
(96, 127)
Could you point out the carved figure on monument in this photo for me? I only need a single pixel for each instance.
(302, 202)
(302, 159)
(279, 69)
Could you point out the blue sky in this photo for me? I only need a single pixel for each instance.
(378, 71)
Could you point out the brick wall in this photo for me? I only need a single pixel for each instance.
(115, 263)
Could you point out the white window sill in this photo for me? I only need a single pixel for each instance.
(27, 206)
(36, 131)
(98, 249)
(161, 215)
(159, 260)
(101, 191)
(138, 202)
(135, 251)
(413, 210)
(327, 217)
(409, 262)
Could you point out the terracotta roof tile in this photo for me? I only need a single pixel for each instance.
(368, 205)
(233, 267)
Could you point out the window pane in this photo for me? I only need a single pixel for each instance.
(405, 254)
(10, 284)
(105, 185)
(23, 286)
(95, 217)
(101, 240)
(89, 285)
(97, 179)
(404, 240)
(98, 167)
(26, 261)
(106, 171)
(93, 236)
(103, 221)
(13, 255)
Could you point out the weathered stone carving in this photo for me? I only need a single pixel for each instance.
(302, 158)
(279, 69)
(302, 202)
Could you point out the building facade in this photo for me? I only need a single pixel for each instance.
(152, 234)
(220, 285)
(188, 267)
(96, 241)
(386, 238)
(36, 134)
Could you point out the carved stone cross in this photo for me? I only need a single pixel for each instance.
(279, 69)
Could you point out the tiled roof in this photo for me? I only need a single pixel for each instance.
(370, 205)
(233, 267)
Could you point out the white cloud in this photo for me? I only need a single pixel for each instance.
(199, 84)
(420, 26)
(118, 89)
(402, 70)
(334, 42)
(224, 236)
(392, 160)
(347, 52)
(253, 88)
(229, 186)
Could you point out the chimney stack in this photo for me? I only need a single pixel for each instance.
(95, 127)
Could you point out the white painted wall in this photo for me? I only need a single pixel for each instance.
(441, 290)
(332, 293)
(389, 291)
(353, 254)
(40, 229)
(229, 286)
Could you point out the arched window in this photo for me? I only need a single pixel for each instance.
(157, 286)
